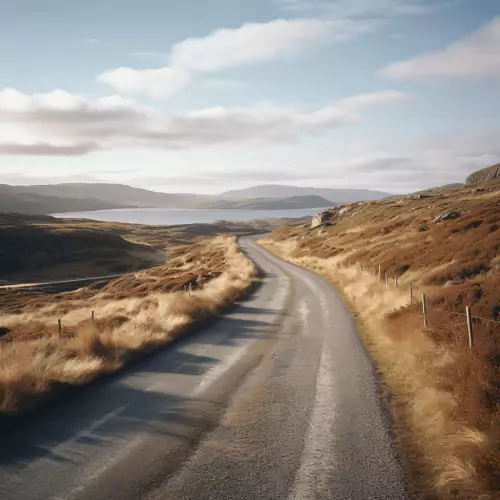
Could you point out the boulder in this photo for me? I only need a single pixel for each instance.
(447, 216)
(330, 215)
(325, 217)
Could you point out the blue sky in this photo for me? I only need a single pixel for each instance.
(205, 96)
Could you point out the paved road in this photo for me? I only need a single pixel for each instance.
(275, 401)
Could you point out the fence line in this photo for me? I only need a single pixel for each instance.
(429, 306)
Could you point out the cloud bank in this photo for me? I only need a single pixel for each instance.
(60, 123)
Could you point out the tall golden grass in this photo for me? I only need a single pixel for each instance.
(32, 367)
(427, 381)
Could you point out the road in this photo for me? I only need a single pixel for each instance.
(277, 400)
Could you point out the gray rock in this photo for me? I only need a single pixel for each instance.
(325, 217)
(447, 216)
(484, 175)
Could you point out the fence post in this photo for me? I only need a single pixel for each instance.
(386, 281)
(424, 310)
(379, 272)
(411, 293)
(93, 317)
(189, 290)
(396, 281)
(469, 326)
(59, 325)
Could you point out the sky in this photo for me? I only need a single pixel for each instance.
(198, 96)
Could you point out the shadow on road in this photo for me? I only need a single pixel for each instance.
(120, 406)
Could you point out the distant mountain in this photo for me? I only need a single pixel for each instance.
(293, 202)
(80, 197)
(282, 191)
(117, 194)
(13, 201)
(484, 175)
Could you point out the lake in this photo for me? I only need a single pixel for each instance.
(174, 216)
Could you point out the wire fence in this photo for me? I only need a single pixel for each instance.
(457, 325)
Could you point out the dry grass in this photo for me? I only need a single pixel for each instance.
(34, 358)
(42, 248)
(444, 397)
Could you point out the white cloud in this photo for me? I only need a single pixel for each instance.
(59, 123)
(159, 82)
(259, 42)
(477, 55)
(224, 48)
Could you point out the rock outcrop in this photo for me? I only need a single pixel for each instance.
(325, 217)
(484, 175)
(331, 215)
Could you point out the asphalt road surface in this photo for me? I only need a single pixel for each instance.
(277, 400)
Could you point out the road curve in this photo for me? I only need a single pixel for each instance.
(277, 400)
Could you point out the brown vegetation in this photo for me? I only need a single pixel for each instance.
(42, 248)
(444, 397)
(133, 314)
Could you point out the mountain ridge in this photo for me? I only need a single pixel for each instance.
(285, 191)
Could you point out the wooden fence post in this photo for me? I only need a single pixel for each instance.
(379, 272)
(411, 293)
(424, 310)
(93, 317)
(469, 326)
(395, 281)
(59, 325)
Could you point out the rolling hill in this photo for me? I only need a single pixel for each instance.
(282, 191)
(18, 201)
(290, 203)
(115, 194)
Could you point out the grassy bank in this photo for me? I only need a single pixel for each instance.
(443, 396)
(42, 248)
(133, 314)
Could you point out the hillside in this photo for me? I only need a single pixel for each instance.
(291, 203)
(118, 194)
(44, 249)
(444, 395)
(13, 200)
(484, 175)
(282, 191)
